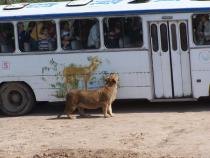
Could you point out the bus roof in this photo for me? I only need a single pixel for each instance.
(88, 8)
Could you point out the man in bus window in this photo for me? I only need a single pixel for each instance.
(94, 36)
(29, 29)
(52, 33)
(2, 41)
(204, 30)
(6, 38)
(23, 38)
(136, 32)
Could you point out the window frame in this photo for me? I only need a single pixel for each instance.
(155, 45)
(164, 39)
(173, 30)
(184, 44)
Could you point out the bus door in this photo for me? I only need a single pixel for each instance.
(170, 59)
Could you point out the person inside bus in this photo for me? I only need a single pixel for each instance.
(128, 37)
(135, 33)
(35, 34)
(114, 35)
(29, 29)
(66, 44)
(7, 43)
(82, 27)
(52, 34)
(23, 38)
(203, 30)
(94, 36)
(2, 41)
(44, 40)
(66, 35)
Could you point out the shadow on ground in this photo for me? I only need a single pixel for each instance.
(127, 106)
(90, 153)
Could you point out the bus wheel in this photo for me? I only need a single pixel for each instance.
(16, 99)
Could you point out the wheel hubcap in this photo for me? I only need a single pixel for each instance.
(15, 98)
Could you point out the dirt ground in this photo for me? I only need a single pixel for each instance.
(138, 130)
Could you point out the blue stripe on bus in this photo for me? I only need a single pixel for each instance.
(111, 13)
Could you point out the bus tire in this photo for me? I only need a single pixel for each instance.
(16, 99)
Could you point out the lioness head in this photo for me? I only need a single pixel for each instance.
(112, 79)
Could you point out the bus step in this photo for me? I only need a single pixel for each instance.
(174, 100)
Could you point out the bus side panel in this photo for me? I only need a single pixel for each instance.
(200, 68)
(46, 76)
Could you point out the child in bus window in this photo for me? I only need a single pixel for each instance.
(67, 34)
(66, 44)
(44, 40)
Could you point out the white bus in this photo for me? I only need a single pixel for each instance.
(159, 48)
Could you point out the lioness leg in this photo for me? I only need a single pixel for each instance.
(110, 110)
(80, 109)
(70, 110)
(59, 115)
(65, 110)
(82, 112)
(70, 105)
(105, 108)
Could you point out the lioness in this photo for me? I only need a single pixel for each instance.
(92, 99)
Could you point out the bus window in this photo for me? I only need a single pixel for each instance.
(123, 32)
(37, 36)
(174, 37)
(183, 36)
(164, 37)
(201, 29)
(154, 36)
(7, 41)
(80, 34)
